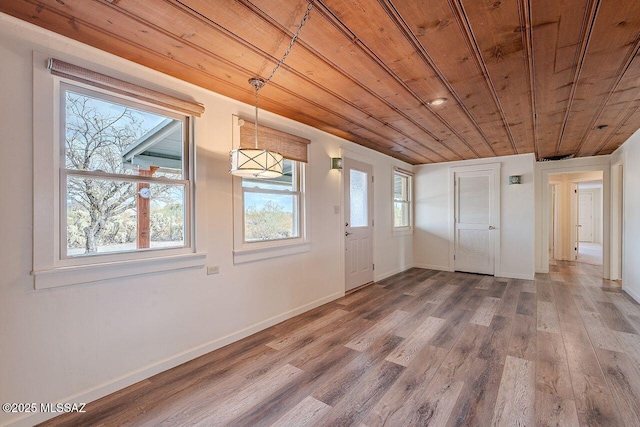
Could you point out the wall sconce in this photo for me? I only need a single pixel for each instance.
(515, 179)
(336, 163)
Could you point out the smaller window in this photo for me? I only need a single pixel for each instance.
(271, 207)
(402, 209)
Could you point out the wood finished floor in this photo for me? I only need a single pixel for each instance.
(420, 348)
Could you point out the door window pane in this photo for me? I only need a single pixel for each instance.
(358, 196)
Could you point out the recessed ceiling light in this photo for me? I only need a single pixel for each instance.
(601, 127)
(437, 101)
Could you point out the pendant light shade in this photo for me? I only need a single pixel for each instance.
(256, 163)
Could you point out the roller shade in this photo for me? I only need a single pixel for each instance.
(84, 75)
(290, 146)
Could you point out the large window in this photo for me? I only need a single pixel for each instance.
(124, 175)
(402, 209)
(113, 177)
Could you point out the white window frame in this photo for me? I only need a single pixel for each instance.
(405, 229)
(50, 267)
(244, 251)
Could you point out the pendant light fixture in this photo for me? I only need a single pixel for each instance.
(257, 162)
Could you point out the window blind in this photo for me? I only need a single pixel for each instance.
(290, 146)
(93, 78)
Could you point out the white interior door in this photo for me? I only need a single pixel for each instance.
(475, 221)
(585, 217)
(358, 230)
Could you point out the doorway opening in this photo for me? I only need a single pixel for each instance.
(576, 217)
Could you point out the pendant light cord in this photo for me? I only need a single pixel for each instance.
(293, 41)
(258, 83)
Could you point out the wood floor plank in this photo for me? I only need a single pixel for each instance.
(523, 341)
(476, 402)
(298, 334)
(354, 407)
(249, 397)
(436, 403)
(623, 304)
(346, 377)
(613, 318)
(362, 342)
(410, 347)
(406, 391)
(464, 352)
(552, 369)
(452, 329)
(584, 303)
(306, 413)
(624, 380)
(484, 313)
(526, 304)
(509, 301)
(516, 396)
(601, 336)
(529, 286)
(547, 318)
(631, 345)
(594, 403)
(544, 292)
(495, 344)
(554, 411)
(567, 309)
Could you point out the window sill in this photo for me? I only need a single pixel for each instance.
(90, 273)
(405, 231)
(248, 255)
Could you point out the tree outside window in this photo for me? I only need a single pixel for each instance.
(124, 175)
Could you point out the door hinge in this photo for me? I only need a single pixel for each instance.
(372, 179)
(454, 257)
(373, 223)
(374, 267)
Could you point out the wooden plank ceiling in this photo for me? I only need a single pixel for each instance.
(520, 76)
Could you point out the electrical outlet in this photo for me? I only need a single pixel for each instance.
(213, 269)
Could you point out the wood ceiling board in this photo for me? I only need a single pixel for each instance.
(615, 109)
(626, 129)
(394, 49)
(345, 53)
(364, 69)
(499, 33)
(469, 109)
(609, 47)
(455, 58)
(325, 76)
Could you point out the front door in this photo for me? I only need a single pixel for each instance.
(358, 227)
(475, 221)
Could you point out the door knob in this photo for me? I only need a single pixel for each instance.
(346, 233)
(491, 227)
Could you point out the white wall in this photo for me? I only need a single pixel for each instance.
(629, 156)
(432, 214)
(80, 342)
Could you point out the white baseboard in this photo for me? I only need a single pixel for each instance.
(434, 267)
(391, 273)
(162, 365)
(632, 294)
(516, 276)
